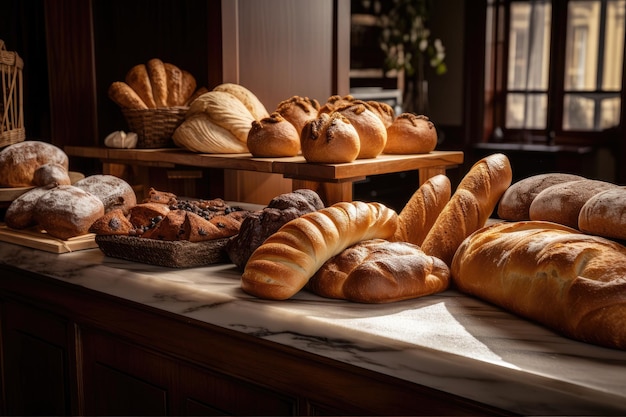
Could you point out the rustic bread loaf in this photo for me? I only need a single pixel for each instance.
(284, 263)
(604, 214)
(66, 211)
(379, 271)
(114, 192)
(273, 136)
(571, 282)
(561, 203)
(369, 126)
(247, 97)
(421, 211)
(515, 202)
(410, 134)
(469, 207)
(330, 138)
(20, 213)
(19, 161)
(298, 111)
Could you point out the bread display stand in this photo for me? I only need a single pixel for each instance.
(334, 182)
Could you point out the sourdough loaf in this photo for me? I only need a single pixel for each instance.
(369, 126)
(410, 133)
(330, 138)
(379, 271)
(604, 214)
(298, 110)
(273, 136)
(114, 192)
(571, 282)
(19, 161)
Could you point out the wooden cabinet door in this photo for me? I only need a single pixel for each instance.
(37, 361)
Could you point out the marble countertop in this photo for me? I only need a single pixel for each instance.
(449, 341)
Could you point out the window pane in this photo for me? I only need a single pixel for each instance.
(614, 45)
(610, 113)
(580, 112)
(581, 60)
(529, 41)
(526, 111)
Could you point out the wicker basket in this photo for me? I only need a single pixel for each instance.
(11, 107)
(155, 127)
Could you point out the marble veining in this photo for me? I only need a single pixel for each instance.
(447, 341)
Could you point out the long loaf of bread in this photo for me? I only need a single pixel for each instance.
(469, 208)
(550, 273)
(421, 211)
(285, 262)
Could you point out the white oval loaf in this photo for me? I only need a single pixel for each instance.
(285, 262)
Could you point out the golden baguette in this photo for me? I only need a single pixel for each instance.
(125, 97)
(285, 262)
(469, 208)
(421, 211)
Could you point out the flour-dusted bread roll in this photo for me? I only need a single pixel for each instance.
(66, 211)
(114, 192)
(247, 97)
(224, 110)
(422, 210)
(51, 174)
(410, 133)
(137, 79)
(469, 207)
(19, 161)
(298, 110)
(386, 113)
(125, 97)
(331, 139)
(515, 202)
(369, 126)
(561, 203)
(285, 262)
(379, 271)
(273, 136)
(158, 81)
(604, 214)
(571, 282)
(199, 134)
(20, 213)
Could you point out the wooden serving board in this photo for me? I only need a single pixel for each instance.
(40, 240)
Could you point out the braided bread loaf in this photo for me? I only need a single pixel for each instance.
(285, 262)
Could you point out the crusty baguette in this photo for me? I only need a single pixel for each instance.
(550, 273)
(158, 81)
(422, 209)
(125, 97)
(285, 262)
(379, 271)
(470, 206)
(137, 78)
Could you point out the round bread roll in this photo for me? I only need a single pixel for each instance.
(20, 213)
(409, 134)
(331, 139)
(298, 111)
(561, 203)
(247, 97)
(114, 192)
(516, 200)
(386, 113)
(19, 161)
(379, 271)
(604, 214)
(369, 126)
(273, 136)
(67, 211)
(51, 173)
(335, 102)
